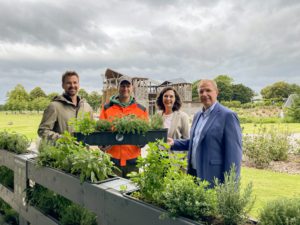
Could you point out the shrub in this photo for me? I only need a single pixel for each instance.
(294, 111)
(282, 211)
(185, 195)
(14, 142)
(233, 206)
(265, 146)
(255, 150)
(231, 104)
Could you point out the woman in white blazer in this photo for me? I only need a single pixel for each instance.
(175, 120)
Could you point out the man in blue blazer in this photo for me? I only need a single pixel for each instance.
(215, 142)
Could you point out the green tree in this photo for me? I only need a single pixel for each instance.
(94, 100)
(279, 90)
(40, 103)
(83, 94)
(195, 94)
(294, 111)
(224, 83)
(242, 93)
(37, 92)
(52, 95)
(18, 99)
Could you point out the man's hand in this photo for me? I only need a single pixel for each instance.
(104, 148)
(170, 141)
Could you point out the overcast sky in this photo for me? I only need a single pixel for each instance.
(255, 42)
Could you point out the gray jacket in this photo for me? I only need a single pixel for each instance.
(58, 113)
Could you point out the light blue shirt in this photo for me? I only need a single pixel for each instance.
(198, 130)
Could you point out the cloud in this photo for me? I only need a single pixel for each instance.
(254, 42)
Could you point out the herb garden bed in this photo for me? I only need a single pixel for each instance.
(113, 138)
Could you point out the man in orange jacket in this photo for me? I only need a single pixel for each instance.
(124, 156)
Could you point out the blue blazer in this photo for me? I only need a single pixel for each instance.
(220, 144)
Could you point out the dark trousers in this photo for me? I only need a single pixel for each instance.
(193, 172)
(124, 170)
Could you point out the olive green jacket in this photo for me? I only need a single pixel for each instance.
(58, 113)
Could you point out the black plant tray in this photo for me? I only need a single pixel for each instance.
(113, 138)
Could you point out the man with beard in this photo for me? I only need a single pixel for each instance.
(63, 108)
(122, 104)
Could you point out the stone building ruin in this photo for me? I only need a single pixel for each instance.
(145, 90)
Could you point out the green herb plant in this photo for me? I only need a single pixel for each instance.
(83, 124)
(233, 205)
(14, 142)
(130, 124)
(156, 122)
(281, 211)
(162, 182)
(154, 168)
(103, 125)
(73, 157)
(185, 195)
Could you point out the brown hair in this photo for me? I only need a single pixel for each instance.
(69, 73)
(159, 100)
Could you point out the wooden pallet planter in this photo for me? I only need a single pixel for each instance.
(113, 138)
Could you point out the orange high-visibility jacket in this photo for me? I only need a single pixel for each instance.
(111, 111)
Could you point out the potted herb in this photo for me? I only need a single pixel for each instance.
(121, 131)
(162, 183)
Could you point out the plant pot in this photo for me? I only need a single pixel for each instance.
(112, 138)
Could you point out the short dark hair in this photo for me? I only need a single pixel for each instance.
(159, 101)
(69, 73)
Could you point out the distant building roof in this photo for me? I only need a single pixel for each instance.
(174, 81)
(288, 103)
(109, 74)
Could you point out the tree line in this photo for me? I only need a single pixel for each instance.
(19, 99)
(228, 91)
(37, 100)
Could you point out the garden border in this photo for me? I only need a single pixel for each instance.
(104, 199)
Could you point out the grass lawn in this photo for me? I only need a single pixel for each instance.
(251, 128)
(268, 185)
(22, 123)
